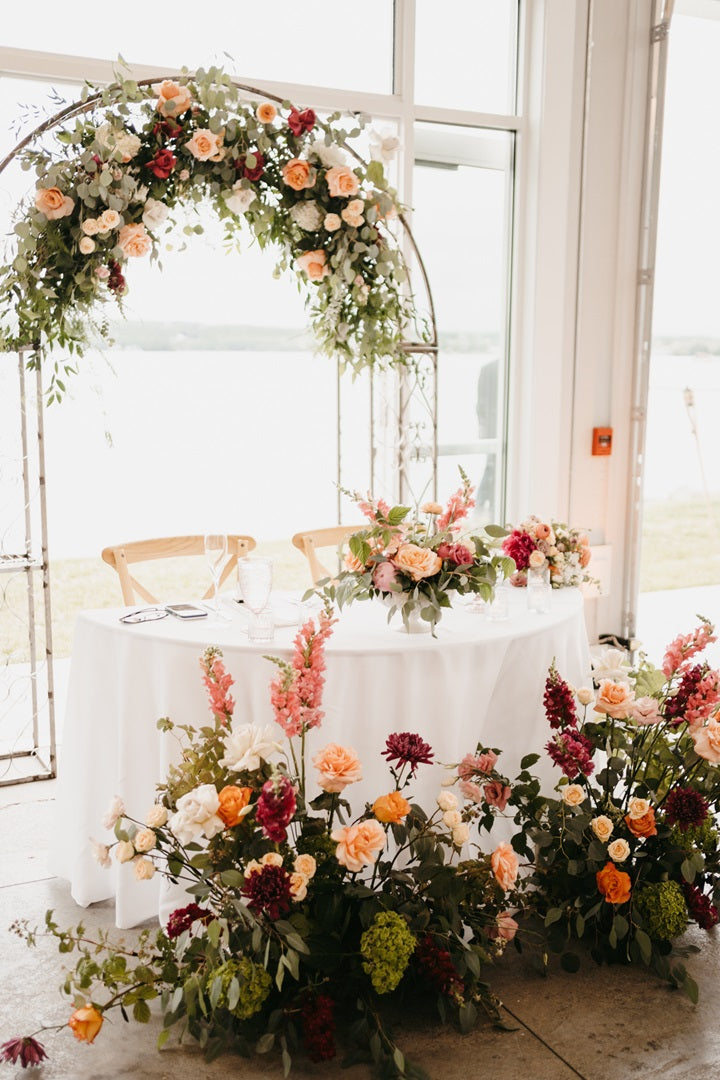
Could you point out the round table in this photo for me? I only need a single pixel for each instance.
(477, 681)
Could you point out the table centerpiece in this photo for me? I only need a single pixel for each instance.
(560, 549)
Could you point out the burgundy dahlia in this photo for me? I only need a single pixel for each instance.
(700, 907)
(559, 701)
(268, 890)
(182, 919)
(275, 808)
(685, 808)
(27, 1051)
(572, 752)
(319, 1027)
(437, 967)
(407, 748)
(519, 546)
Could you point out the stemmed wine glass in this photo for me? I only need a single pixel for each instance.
(255, 578)
(216, 547)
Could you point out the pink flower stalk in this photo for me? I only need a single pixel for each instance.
(376, 510)
(703, 702)
(296, 691)
(457, 506)
(685, 646)
(217, 683)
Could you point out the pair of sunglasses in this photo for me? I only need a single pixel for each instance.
(150, 614)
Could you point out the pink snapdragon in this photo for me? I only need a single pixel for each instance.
(217, 683)
(375, 510)
(457, 506)
(296, 691)
(685, 646)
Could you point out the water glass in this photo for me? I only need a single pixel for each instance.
(255, 581)
(498, 609)
(539, 589)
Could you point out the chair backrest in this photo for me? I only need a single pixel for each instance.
(122, 556)
(311, 539)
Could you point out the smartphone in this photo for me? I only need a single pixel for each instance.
(186, 611)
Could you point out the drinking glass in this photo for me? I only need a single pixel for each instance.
(216, 547)
(255, 578)
(539, 589)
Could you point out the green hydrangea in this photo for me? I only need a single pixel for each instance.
(254, 986)
(663, 908)
(696, 838)
(387, 946)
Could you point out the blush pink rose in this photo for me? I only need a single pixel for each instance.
(471, 791)
(504, 864)
(134, 240)
(707, 740)
(505, 927)
(205, 145)
(644, 711)
(342, 182)
(337, 767)
(359, 845)
(53, 204)
(384, 575)
(472, 764)
(497, 794)
(615, 699)
(417, 562)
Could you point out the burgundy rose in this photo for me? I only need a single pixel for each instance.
(169, 128)
(27, 1051)
(458, 554)
(301, 121)
(253, 173)
(162, 164)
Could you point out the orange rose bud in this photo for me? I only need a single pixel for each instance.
(391, 809)
(232, 801)
(85, 1023)
(614, 884)
(642, 826)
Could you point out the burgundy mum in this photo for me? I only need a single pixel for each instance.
(407, 748)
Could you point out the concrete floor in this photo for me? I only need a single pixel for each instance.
(601, 1024)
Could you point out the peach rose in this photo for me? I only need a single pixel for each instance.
(85, 1023)
(542, 531)
(124, 851)
(233, 800)
(391, 809)
(352, 563)
(134, 241)
(619, 850)
(53, 204)
(144, 869)
(266, 112)
(573, 795)
(359, 845)
(614, 884)
(603, 827)
(144, 840)
(271, 858)
(505, 927)
(86, 245)
(342, 182)
(615, 699)
(353, 213)
(314, 263)
(431, 508)
(337, 767)
(638, 808)
(536, 559)
(585, 555)
(205, 145)
(109, 219)
(642, 826)
(156, 816)
(90, 226)
(298, 886)
(332, 222)
(173, 99)
(298, 174)
(417, 562)
(707, 740)
(305, 865)
(504, 863)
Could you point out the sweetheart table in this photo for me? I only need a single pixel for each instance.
(478, 681)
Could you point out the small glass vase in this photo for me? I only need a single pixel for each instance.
(539, 589)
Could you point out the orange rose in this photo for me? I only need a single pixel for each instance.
(314, 263)
(542, 531)
(585, 554)
(614, 699)
(642, 826)
(266, 112)
(504, 864)
(85, 1023)
(173, 100)
(614, 884)
(298, 174)
(337, 766)
(205, 145)
(342, 181)
(391, 808)
(53, 204)
(134, 241)
(358, 845)
(417, 562)
(232, 801)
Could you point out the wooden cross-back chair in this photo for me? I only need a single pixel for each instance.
(332, 537)
(122, 556)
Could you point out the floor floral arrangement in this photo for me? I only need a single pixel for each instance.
(416, 565)
(304, 918)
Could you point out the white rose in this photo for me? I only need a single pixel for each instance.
(100, 853)
(384, 145)
(124, 851)
(239, 198)
(156, 816)
(585, 695)
(619, 850)
(197, 814)
(86, 245)
(126, 145)
(90, 226)
(603, 827)
(308, 215)
(452, 818)
(447, 801)
(610, 664)
(461, 834)
(330, 156)
(144, 840)
(248, 746)
(115, 810)
(573, 795)
(154, 214)
(144, 869)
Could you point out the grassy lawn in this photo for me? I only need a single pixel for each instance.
(681, 545)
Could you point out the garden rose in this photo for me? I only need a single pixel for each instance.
(266, 112)
(359, 845)
(352, 563)
(707, 740)
(162, 164)
(342, 182)
(471, 791)
(431, 508)
(391, 809)
(505, 927)
(332, 222)
(90, 226)
(384, 576)
(298, 886)
(638, 808)
(452, 818)
(504, 864)
(536, 559)
(642, 826)
(645, 711)
(156, 816)
(115, 811)
(239, 198)
(247, 746)
(86, 245)
(337, 767)
(144, 869)
(447, 801)
(124, 851)
(123, 145)
(109, 219)
(613, 884)
(154, 213)
(100, 853)
(573, 795)
(173, 100)
(603, 827)
(298, 174)
(314, 263)
(585, 695)
(232, 800)
(144, 840)
(618, 850)
(85, 1023)
(497, 794)
(205, 145)
(305, 865)
(352, 214)
(197, 815)
(417, 562)
(477, 763)
(134, 241)
(615, 699)
(460, 833)
(53, 204)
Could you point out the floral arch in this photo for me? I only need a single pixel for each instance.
(127, 157)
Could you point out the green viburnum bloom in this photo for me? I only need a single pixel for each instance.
(663, 908)
(254, 986)
(696, 837)
(387, 946)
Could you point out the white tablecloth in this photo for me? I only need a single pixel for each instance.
(478, 681)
